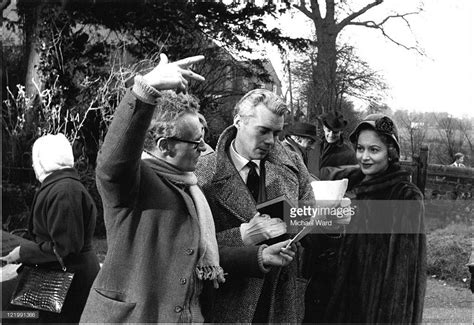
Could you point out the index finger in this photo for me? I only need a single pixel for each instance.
(188, 61)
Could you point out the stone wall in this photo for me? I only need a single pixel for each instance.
(449, 182)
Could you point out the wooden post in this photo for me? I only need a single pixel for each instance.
(422, 169)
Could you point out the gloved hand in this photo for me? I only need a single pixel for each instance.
(260, 228)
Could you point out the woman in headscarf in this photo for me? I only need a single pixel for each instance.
(63, 218)
(381, 270)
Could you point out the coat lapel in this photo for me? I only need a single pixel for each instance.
(230, 190)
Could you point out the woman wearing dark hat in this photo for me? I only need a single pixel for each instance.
(335, 151)
(381, 269)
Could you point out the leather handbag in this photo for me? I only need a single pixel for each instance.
(42, 288)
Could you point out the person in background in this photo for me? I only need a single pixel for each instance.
(458, 160)
(335, 151)
(63, 218)
(251, 166)
(161, 241)
(381, 268)
(300, 138)
(203, 122)
(337, 160)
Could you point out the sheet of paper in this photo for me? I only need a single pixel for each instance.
(329, 193)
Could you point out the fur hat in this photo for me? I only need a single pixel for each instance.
(333, 120)
(51, 152)
(380, 123)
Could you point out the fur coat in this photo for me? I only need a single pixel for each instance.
(382, 262)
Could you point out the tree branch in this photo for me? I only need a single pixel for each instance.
(380, 27)
(302, 7)
(315, 9)
(346, 21)
(330, 9)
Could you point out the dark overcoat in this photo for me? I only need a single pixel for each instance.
(232, 204)
(152, 231)
(381, 273)
(340, 153)
(64, 215)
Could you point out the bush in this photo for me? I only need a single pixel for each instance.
(448, 252)
(16, 201)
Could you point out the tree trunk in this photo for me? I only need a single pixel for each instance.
(32, 58)
(324, 72)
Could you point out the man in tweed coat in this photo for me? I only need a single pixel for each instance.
(252, 293)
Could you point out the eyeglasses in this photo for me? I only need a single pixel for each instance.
(196, 144)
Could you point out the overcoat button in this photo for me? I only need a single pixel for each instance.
(190, 251)
(182, 281)
(178, 309)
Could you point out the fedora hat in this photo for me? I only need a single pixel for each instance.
(333, 120)
(303, 129)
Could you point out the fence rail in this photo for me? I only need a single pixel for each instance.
(442, 180)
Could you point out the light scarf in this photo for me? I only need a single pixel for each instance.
(207, 267)
(50, 153)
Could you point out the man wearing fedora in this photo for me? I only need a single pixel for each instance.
(300, 138)
(335, 151)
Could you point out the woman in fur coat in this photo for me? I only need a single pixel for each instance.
(381, 273)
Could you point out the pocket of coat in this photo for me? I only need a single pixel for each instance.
(107, 307)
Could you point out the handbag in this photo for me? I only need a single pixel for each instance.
(42, 288)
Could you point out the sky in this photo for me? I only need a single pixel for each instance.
(441, 81)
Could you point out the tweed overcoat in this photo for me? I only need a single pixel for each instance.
(291, 145)
(63, 215)
(381, 275)
(152, 231)
(232, 204)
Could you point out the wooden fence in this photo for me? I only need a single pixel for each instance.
(440, 180)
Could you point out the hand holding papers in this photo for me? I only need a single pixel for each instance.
(332, 209)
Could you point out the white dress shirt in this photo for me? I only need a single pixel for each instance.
(240, 163)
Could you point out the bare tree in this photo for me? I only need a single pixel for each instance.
(339, 15)
(354, 78)
(413, 129)
(465, 127)
(451, 138)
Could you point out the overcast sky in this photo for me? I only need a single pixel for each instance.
(442, 81)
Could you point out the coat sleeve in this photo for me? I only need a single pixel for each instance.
(118, 163)
(64, 223)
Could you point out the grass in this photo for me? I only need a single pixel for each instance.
(449, 250)
(445, 304)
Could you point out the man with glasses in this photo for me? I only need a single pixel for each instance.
(160, 232)
(251, 166)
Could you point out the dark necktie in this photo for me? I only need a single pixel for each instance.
(253, 180)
